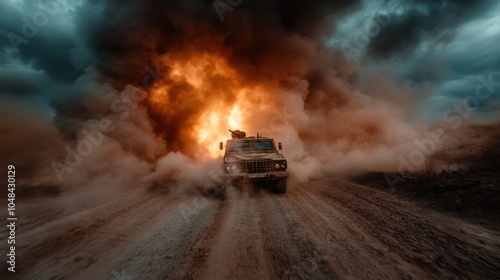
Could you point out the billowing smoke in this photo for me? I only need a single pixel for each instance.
(29, 142)
(171, 78)
(265, 68)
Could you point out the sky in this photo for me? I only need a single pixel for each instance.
(438, 47)
(441, 46)
(351, 85)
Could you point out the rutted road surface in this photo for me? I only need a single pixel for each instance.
(318, 230)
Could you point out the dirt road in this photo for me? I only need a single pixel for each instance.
(318, 230)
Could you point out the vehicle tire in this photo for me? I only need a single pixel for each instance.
(280, 186)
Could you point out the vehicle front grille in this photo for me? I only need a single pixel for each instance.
(256, 166)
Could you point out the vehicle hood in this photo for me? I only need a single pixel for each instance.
(254, 156)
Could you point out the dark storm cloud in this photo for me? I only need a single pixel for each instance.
(52, 55)
(275, 44)
(466, 67)
(135, 32)
(43, 49)
(20, 83)
(424, 20)
(449, 45)
(477, 56)
(263, 41)
(46, 47)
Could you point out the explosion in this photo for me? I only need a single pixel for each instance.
(262, 72)
(266, 73)
(204, 79)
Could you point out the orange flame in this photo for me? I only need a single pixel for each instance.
(223, 106)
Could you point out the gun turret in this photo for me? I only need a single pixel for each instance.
(236, 134)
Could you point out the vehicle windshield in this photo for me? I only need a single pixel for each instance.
(238, 146)
(263, 145)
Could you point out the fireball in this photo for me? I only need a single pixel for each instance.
(205, 97)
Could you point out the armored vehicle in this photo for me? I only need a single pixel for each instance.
(254, 160)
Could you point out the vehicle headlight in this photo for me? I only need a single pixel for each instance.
(231, 167)
(280, 165)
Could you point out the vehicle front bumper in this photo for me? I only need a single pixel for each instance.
(264, 176)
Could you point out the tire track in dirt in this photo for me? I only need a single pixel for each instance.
(320, 230)
(62, 236)
(350, 251)
(415, 238)
(291, 251)
(78, 245)
(43, 212)
(193, 268)
(97, 252)
(165, 249)
(238, 251)
(481, 237)
(39, 215)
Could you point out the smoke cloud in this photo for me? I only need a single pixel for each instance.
(171, 78)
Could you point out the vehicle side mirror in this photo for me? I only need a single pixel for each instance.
(280, 147)
(221, 146)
